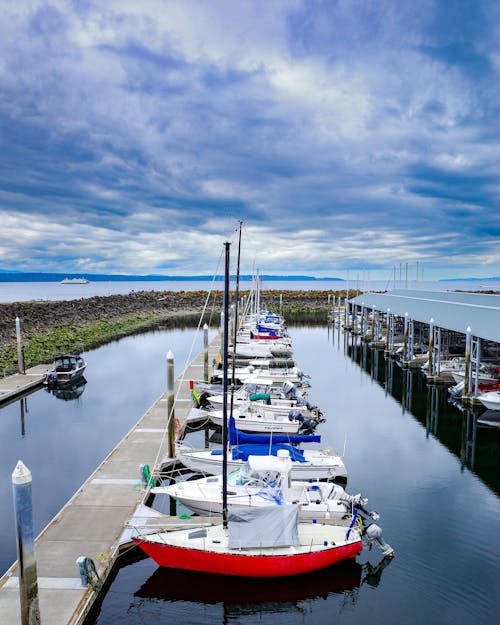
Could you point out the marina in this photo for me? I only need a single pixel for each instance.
(249, 313)
(116, 485)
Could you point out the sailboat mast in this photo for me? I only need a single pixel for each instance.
(224, 387)
(237, 294)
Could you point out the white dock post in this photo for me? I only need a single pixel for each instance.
(405, 339)
(431, 347)
(468, 378)
(205, 353)
(170, 405)
(23, 510)
(387, 341)
(20, 355)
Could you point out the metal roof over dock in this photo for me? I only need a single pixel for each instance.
(450, 310)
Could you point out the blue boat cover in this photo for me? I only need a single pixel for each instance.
(268, 331)
(241, 452)
(237, 437)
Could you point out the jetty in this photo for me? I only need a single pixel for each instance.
(91, 525)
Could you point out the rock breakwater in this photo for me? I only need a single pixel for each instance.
(50, 328)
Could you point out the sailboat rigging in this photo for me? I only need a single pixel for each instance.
(264, 541)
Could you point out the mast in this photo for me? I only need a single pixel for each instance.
(237, 294)
(224, 387)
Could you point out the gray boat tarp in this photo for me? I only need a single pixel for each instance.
(268, 526)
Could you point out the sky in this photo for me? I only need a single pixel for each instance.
(348, 136)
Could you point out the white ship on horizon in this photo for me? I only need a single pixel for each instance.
(75, 281)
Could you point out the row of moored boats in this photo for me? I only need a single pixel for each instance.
(283, 511)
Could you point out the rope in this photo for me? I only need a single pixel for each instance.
(89, 572)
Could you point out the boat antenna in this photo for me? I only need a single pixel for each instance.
(237, 294)
(224, 387)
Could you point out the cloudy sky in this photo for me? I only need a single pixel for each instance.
(349, 135)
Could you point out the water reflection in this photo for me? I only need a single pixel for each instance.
(255, 596)
(471, 436)
(23, 405)
(64, 435)
(69, 392)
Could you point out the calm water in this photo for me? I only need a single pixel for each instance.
(28, 291)
(432, 476)
(62, 442)
(427, 468)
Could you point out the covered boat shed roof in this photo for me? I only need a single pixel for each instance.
(450, 310)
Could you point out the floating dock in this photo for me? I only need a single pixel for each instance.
(12, 386)
(92, 522)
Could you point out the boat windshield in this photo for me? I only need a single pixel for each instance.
(241, 477)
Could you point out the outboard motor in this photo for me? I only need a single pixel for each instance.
(373, 535)
(307, 426)
(457, 390)
(52, 380)
(290, 392)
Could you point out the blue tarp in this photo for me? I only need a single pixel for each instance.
(241, 452)
(237, 437)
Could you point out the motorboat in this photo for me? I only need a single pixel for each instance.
(286, 398)
(262, 375)
(488, 374)
(307, 464)
(253, 417)
(490, 399)
(265, 479)
(67, 370)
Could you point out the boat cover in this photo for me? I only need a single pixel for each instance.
(237, 437)
(242, 452)
(263, 526)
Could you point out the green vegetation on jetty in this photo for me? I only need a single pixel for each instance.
(53, 328)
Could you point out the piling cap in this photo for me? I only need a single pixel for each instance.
(21, 474)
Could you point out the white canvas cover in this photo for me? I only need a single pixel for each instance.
(256, 526)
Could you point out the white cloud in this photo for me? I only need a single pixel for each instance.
(137, 119)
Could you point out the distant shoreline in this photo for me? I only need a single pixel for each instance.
(58, 277)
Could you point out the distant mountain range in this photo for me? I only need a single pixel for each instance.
(20, 276)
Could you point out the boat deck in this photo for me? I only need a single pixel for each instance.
(92, 521)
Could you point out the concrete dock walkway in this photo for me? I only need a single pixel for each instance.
(11, 386)
(92, 521)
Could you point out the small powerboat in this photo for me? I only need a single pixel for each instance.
(67, 370)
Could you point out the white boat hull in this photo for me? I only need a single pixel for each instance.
(319, 464)
(204, 496)
(490, 400)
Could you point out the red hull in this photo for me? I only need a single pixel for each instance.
(263, 337)
(245, 565)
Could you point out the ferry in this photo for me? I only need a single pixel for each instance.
(75, 281)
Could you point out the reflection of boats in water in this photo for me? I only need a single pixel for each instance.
(69, 392)
(176, 585)
(490, 418)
